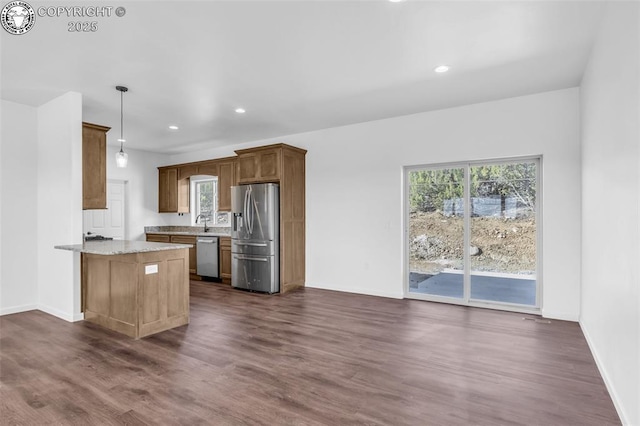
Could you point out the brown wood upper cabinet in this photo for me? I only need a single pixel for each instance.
(226, 179)
(208, 168)
(94, 166)
(187, 170)
(177, 200)
(199, 168)
(259, 164)
(173, 193)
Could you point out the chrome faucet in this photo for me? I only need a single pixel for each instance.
(206, 228)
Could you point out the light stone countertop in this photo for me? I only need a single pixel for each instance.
(197, 234)
(113, 247)
(214, 231)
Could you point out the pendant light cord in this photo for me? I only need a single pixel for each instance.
(121, 89)
(121, 120)
(121, 156)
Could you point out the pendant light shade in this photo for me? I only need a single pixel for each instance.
(121, 157)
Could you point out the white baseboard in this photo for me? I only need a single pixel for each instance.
(364, 291)
(57, 313)
(17, 309)
(560, 316)
(43, 308)
(605, 376)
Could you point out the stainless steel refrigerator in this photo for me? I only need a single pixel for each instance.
(255, 237)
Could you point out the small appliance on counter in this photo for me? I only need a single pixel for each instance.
(255, 237)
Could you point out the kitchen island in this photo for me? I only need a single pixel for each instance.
(137, 288)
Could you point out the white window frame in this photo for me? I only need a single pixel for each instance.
(466, 301)
(194, 201)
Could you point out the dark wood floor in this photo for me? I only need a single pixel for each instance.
(304, 358)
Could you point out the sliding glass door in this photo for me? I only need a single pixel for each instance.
(436, 232)
(472, 233)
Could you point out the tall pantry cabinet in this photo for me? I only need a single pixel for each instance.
(285, 165)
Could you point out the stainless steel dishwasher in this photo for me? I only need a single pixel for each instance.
(207, 255)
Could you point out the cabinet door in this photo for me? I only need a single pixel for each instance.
(168, 190)
(269, 165)
(259, 166)
(226, 179)
(188, 239)
(209, 168)
(247, 169)
(173, 193)
(187, 170)
(183, 195)
(94, 166)
(225, 258)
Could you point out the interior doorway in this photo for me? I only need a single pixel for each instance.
(110, 222)
(473, 233)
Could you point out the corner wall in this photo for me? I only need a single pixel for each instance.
(19, 200)
(354, 188)
(59, 158)
(610, 305)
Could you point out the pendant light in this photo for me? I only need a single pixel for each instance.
(121, 156)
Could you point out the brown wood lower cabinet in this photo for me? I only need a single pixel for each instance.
(225, 259)
(193, 254)
(159, 238)
(136, 294)
(180, 239)
(224, 246)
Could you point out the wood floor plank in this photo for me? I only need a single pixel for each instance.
(310, 357)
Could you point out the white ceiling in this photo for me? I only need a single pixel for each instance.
(295, 66)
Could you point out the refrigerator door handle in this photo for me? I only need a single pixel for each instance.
(240, 243)
(245, 206)
(250, 210)
(257, 259)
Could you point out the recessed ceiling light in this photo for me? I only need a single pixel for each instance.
(172, 127)
(441, 68)
(395, 1)
(240, 110)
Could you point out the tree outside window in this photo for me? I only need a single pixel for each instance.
(206, 199)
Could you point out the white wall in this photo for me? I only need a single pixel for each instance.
(141, 177)
(610, 303)
(354, 188)
(41, 198)
(59, 215)
(19, 200)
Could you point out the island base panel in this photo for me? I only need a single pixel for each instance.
(137, 294)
